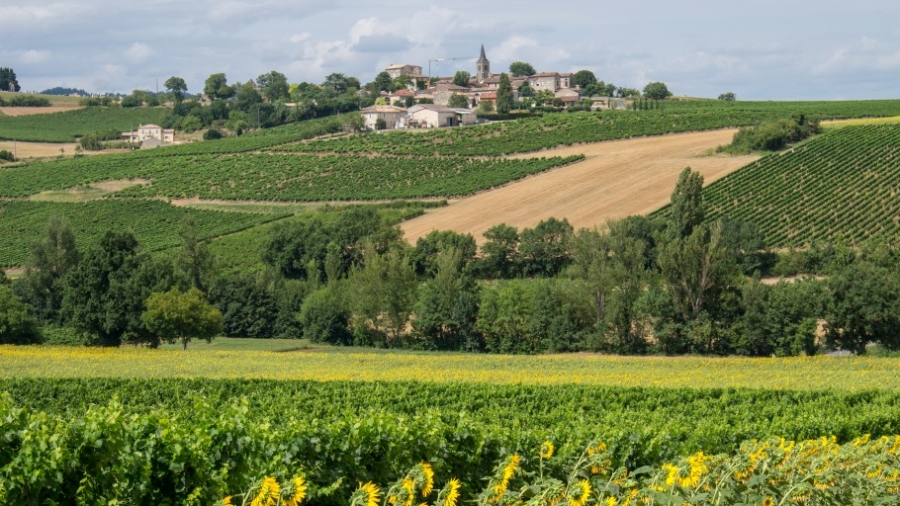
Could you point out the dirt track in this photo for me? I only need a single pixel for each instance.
(617, 179)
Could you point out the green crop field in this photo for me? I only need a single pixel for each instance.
(155, 224)
(841, 186)
(159, 426)
(66, 126)
(277, 176)
(565, 129)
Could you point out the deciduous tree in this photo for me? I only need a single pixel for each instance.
(176, 315)
(657, 91)
(177, 87)
(521, 69)
(461, 78)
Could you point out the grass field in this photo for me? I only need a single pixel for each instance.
(338, 364)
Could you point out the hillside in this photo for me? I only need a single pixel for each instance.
(617, 179)
(841, 186)
(567, 129)
(67, 125)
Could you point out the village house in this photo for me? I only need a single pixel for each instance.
(436, 116)
(391, 116)
(152, 135)
(398, 70)
(400, 96)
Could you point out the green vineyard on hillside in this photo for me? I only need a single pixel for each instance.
(66, 126)
(278, 176)
(843, 186)
(155, 224)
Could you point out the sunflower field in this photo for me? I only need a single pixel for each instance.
(156, 427)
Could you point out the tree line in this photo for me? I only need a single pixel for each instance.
(675, 285)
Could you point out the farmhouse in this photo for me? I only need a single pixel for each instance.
(384, 117)
(151, 132)
(435, 116)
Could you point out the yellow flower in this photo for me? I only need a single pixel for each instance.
(227, 501)
(299, 492)
(452, 491)
(268, 493)
(429, 479)
(768, 501)
(547, 450)
(410, 486)
(373, 495)
(580, 493)
(611, 501)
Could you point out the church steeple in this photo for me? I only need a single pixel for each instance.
(483, 67)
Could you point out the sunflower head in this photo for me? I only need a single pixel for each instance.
(449, 495)
(579, 493)
(296, 492)
(268, 493)
(366, 495)
(547, 450)
(768, 501)
(428, 479)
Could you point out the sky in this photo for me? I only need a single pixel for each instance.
(760, 50)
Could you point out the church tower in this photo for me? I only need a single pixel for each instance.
(484, 67)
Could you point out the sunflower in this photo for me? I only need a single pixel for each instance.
(768, 501)
(580, 493)
(409, 485)
(227, 501)
(429, 479)
(547, 450)
(299, 493)
(451, 492)
(372, 494)
(268, 493)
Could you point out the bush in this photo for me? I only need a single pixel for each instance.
(25, 101)
(7, 156)
(771, 136)
(324, 318)
(212, 134)
(16, 323)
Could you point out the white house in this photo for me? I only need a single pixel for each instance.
(145, 132)
(393, 117)
(435, 116)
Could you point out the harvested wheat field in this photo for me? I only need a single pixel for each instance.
(25, 150)
(29, 111)
(617, 179)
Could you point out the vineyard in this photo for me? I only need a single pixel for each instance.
(66, 126)
(553, 130)
(155, 224)
(842, 186)
(278, 176)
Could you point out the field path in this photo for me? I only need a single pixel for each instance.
(617, 179)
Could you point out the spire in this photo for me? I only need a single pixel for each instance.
(482, 57)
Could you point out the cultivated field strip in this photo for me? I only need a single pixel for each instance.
(252, 176)
(843, 186)
(155, 224)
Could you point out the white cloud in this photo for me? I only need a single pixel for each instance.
(35, 56)
(138, 52)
